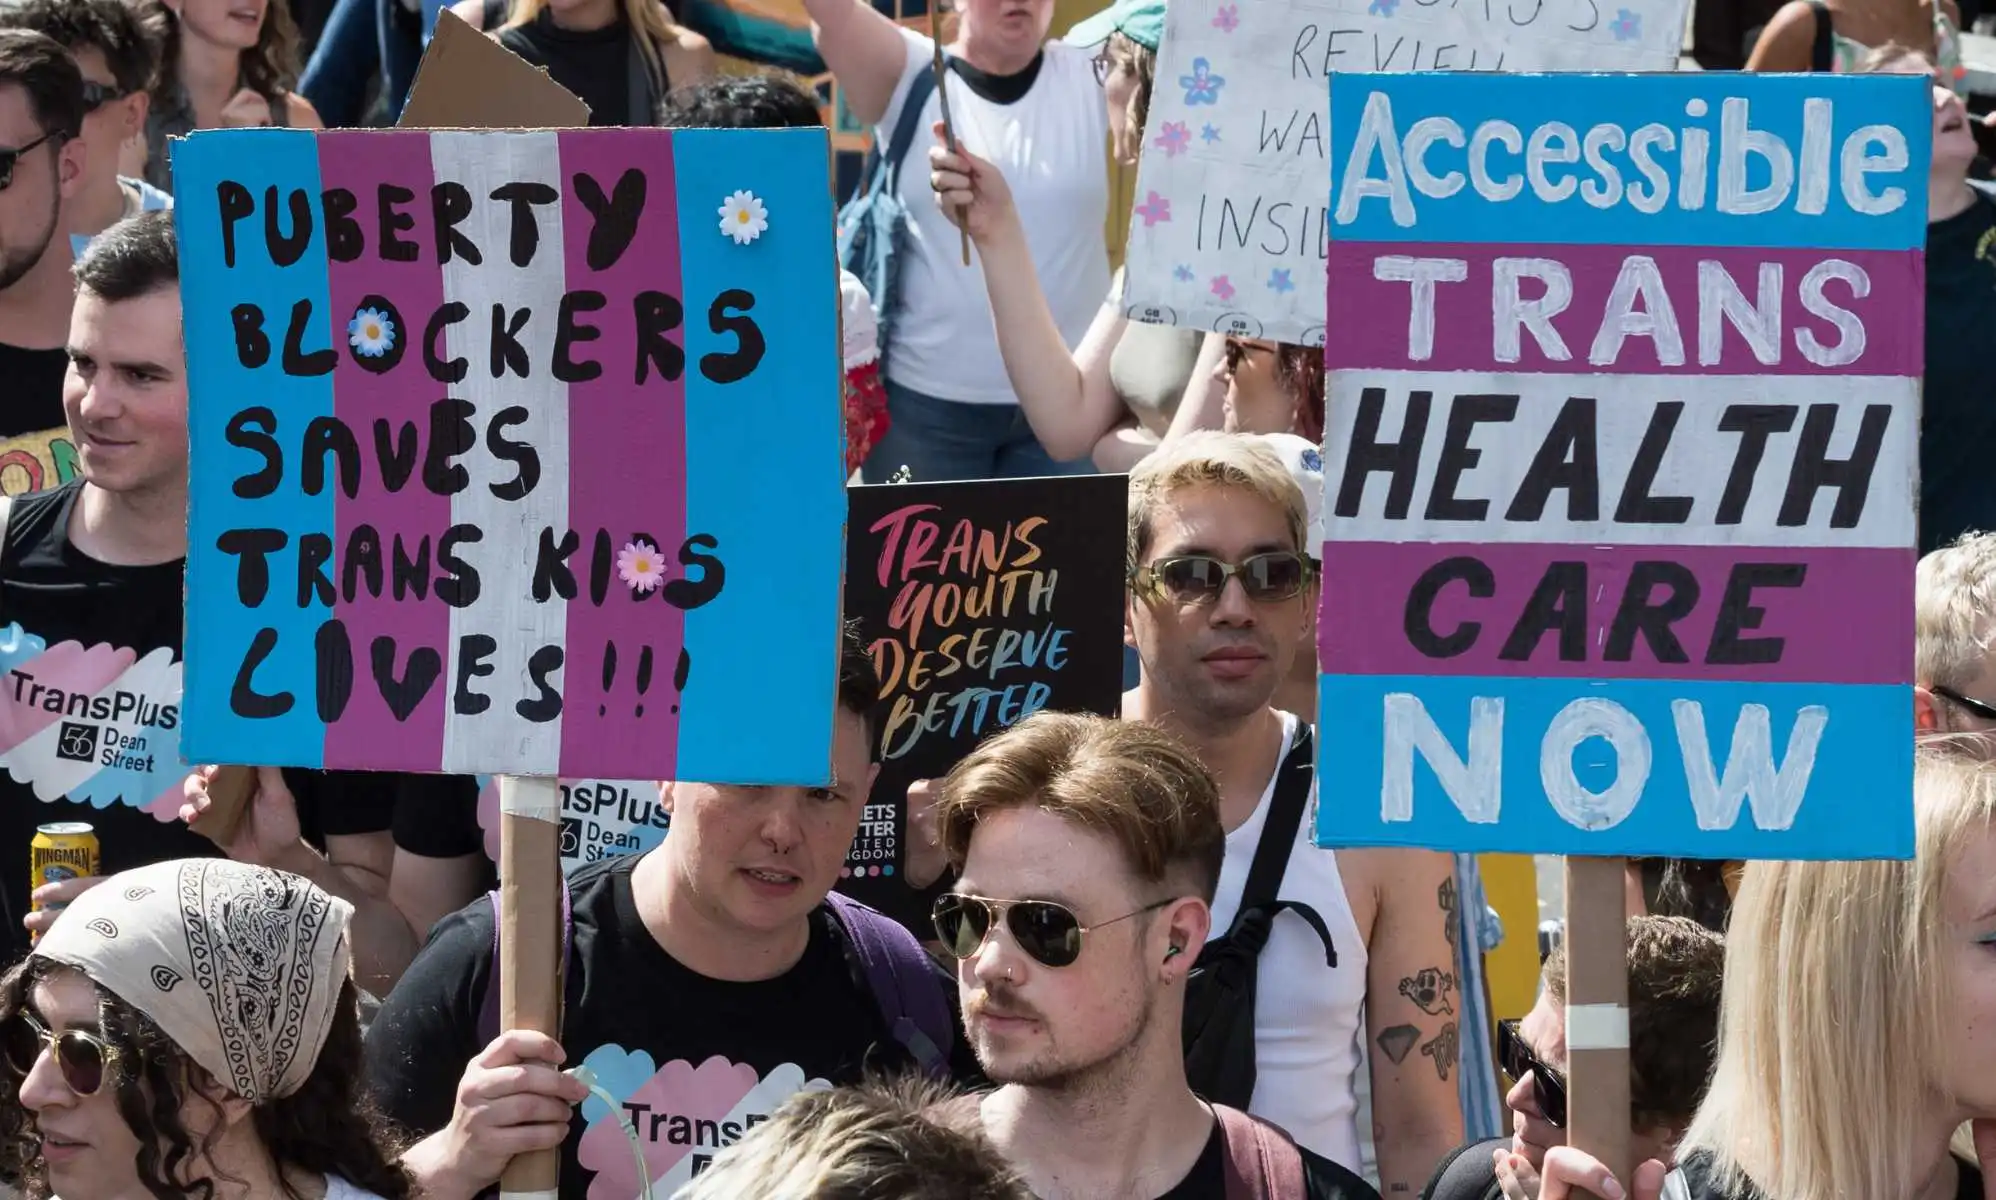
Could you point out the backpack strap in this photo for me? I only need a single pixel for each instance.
(1823, 52)
(1285, 818)
(903, 981)
(488, 1010)
(1261, 1162)
(888, 168)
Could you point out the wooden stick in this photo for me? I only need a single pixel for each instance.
(949, 130)
(530, 966)
(1597, 1012)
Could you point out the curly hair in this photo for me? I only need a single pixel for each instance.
(269, 68)
(1300, 371)
(327, 1127)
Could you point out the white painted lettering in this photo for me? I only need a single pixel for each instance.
(1720, 301)
(1511, 312)
(1421, 274)
(1850, 331)
(1774, 792)
(1581, 721)
(1475, 786)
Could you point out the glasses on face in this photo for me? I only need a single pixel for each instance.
(9, 157)
(1238, 352)
(1968, 704)
(87, 1061)
(97, 95)
(1201, 578)
(1518, 1061)
(1049, 933)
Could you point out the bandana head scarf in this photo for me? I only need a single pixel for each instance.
(241, 966)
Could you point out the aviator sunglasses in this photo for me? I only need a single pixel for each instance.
(1201, 578)
(87, 1061)
(9, 157)
(1049, 933)
(1518, 1061)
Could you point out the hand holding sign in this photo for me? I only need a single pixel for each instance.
(972, 192)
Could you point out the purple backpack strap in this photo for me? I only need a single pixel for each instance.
(488, 1012)
(904, 982)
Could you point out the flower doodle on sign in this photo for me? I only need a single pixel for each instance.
(1382, 8)
(743, 218)
(1627, 26)
(1172, 138)
(1279, 281)
(1228, 18)
(1202, 86)
(371, 333)
(1223, 287)
(640, 565)
(1155, 208)
(1182, 273)
(1209, 134)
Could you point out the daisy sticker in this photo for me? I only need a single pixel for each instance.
(639, 565)
(371, 333)
(743, 218)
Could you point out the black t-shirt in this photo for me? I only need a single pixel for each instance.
(90, 678)
(35, 450)
(1697, 1176)
(1322, 1178)
(694, 1062)
(595, 64)
(1958, 410)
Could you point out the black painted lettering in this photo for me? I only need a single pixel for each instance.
(545, 705)
(568, 331)
(460, 589)
(233, 202)
(390, 341)
(613, 218)
(344, 241)
(244, 700)
(1458, 455)
(409, 572)
(315, 552)
(287, 248)
(657, 315)
(1755, 423)
(252, 548)
(362, 563)
(472, 651)
(1417, 619)
(395, 451)
(1815, 470)
(551, 573)
(441, 369)
(507, 352)
(1637, 506)
(323, 436)
(729, 314)
(1401, 459)
(1738, 612)
(1559, 602)
(451, 434)
(450, 203)
(1568, 459)
(687, 593)
(332, 652)
(600, 562)
(392, 246)
(253, 429)
(525, 459)
(1639, 613)
(526, 237)
(297, 361)
(406, 693)
(252, 344)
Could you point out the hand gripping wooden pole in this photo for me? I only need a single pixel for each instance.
(530, 966)
(1597, 1012)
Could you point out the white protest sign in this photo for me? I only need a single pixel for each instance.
(1229, 231)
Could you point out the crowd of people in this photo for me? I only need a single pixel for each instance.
(1143, 979)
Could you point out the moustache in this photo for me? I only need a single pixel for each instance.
(1000, 1002)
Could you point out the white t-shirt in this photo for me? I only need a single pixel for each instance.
(1051, 145)
(1308, 1017)
(340, 1189)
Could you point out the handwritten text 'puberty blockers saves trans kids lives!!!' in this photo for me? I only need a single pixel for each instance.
(1230, 230)
(1621, 446)
(514, 452)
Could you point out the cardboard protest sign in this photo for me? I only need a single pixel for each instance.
(1620, 464)
(1230, 231)
(982, 602)
(513, 452)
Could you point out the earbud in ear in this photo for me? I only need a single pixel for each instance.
(1174, 952)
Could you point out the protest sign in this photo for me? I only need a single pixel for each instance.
(982, 603)
(1229, 230)
(1620, 463)
(515, 452)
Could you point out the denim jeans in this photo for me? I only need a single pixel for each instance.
(361, 38)
(940, 440)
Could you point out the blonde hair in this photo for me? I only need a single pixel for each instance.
(1209, 458)
(1839, 1009)
(651, 25)
(1954, 604)
(908, 1139)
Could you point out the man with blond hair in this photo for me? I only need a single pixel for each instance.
(1954, 621)
(1360, 943)
(1088, 852)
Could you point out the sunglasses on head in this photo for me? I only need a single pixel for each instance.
(9, 157)
(1049, 933)
(1518, 1061)
(1968, 704)
(87, 1061)
(1200, 578)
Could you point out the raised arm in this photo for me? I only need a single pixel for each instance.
(864, 50)
(1412, 1006)
(1788, 41)
(1066, 395)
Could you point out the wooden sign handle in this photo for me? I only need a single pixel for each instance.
(530, 966)
(1597, 1012)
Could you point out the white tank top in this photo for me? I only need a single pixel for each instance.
(1308, 1016)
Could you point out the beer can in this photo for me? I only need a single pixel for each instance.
(65, 850)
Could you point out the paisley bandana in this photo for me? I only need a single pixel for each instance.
(241, 966)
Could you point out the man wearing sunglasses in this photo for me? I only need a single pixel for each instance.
(41, 170)
(1954, 644)
(1088, 852)
(1676, 969)
(115, 45)
(1221, 599)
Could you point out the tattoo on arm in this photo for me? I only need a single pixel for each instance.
(1446, 895)
(1429, 988)
(1443, 1049)
(1397, 1041)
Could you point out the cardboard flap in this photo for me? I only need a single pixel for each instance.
(469, 81)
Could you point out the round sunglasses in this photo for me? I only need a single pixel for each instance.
(87, 1061)
(1200, 578)
(1518, 1061)
(1049, 933)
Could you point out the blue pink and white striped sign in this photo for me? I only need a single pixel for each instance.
(1622, 437)
(513, 452)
